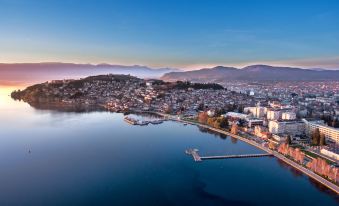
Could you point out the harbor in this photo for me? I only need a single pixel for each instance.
(134, 121)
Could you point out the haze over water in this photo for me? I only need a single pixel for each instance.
(97, 159)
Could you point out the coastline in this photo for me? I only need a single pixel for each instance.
(333, 187)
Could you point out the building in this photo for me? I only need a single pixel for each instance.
(274, 104)
(257, 112)
(236, 115)
(329, 154)
(288, 116)
(211, 113)
(330, 133)
(273, 114)
(254, 122)
(286, 127)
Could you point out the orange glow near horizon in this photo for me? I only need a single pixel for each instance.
(5, 92)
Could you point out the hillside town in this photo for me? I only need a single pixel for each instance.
(297, 119)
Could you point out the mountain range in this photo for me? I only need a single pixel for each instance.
(34, 72)
(252, 73)
(37, 72)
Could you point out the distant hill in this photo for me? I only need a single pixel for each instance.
(36, 72)
(253, 73)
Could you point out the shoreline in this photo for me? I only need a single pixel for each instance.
(333, 187)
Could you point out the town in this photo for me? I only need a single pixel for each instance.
(296, 119)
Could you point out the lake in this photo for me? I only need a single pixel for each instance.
(95, 158)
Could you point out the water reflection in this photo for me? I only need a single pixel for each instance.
(91, 157)
(66, 108)
(215, 134)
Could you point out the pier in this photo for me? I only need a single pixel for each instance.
(198, 158)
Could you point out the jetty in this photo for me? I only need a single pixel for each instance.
(198, 158)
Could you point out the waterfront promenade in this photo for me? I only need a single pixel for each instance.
(295, 165)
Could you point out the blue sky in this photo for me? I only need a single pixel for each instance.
(184, 34)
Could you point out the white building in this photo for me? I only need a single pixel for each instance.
(286, 127)
(329, 154)
(288, 116)
(236, 115)
(257, 111)
(273, 114)
(210, 113)
(329, 132)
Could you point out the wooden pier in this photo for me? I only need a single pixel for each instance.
(198, 158)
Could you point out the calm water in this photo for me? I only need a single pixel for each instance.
(97, 159)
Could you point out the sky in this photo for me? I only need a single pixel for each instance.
(186, 34)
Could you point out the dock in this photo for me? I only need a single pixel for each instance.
(194, 153)
(198, 158)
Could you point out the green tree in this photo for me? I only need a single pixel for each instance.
(316, 136)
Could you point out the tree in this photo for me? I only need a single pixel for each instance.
(241, 108)
(219, 112)
(234, 129)
(210, 121)
(241, 122)
(335, 123)
(271, 145)
(202, 117)
(216, 124)
(223, 122)
(201, 107)
(288, 140)
(168, 110)
(322, 140)
(316, 136)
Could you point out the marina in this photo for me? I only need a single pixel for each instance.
(134, 121)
